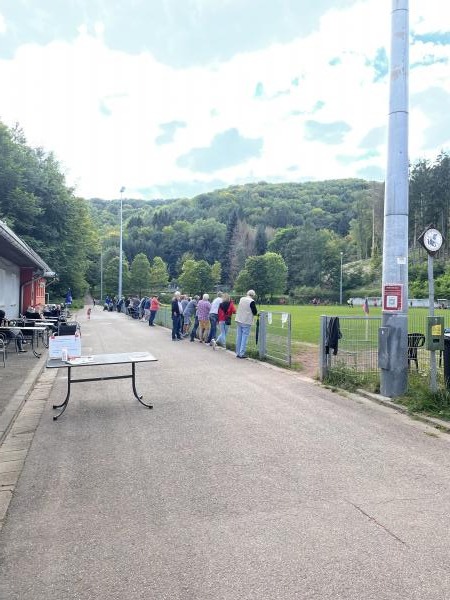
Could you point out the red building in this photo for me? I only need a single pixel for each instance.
(23, 274)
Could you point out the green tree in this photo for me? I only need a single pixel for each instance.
(111, 276)
(206, 239)
(36, 202)
(196, 276)
(260, 240)
(216, 272)
(140, 274)
(243, 282)
(159, 277)
(226, 255)
(276, 273)
(188, 277)
(267, 274)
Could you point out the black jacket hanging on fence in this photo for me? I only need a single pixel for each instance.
(333, 335)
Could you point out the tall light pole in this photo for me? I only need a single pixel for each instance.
(122, 189)
(101, 272)
(340, 281)
(393, 335)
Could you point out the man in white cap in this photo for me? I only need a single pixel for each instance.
(244, 319)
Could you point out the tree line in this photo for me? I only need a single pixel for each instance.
(280, 238)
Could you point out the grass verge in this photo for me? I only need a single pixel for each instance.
(420, 399)
(350, 380)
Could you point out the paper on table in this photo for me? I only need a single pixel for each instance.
(81, 360)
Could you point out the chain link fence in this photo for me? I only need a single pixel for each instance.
(358, 346)
(270, 337)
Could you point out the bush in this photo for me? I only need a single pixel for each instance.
(419, 397)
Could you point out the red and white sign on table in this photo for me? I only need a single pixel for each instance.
(392, 296)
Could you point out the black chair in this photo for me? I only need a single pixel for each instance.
(6, 341)
(3, 348)
(68, 328)
(415, 341)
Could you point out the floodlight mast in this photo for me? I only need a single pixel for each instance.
(394, 378)
(119, 294)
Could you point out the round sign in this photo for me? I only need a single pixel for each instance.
(432, 240)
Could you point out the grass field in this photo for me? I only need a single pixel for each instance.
(306, 319)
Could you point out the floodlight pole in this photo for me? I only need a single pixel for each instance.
(394, 374)
(122, 189)
(101, 272)
(340, 280)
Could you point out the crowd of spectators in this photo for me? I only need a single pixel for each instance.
(195, 317)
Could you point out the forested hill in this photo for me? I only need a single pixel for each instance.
(309, 223)
(328, 204)
(298, 234)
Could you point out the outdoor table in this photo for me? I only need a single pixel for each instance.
(100, 360)
(33, 329)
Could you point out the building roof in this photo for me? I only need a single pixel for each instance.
(18, 252)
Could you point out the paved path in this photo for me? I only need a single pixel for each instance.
(244, 482)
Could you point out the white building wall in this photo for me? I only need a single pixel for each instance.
(9, 288)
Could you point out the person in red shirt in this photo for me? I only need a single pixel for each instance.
(226, 310)
(154, 307)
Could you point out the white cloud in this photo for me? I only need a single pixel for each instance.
(2, 24)
(100, 110)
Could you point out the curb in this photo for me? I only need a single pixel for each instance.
(17, 401)
(437, 423)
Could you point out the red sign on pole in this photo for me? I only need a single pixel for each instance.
(392, 296)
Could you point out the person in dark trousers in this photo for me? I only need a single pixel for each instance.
(14, 334)
(154, 307)
(176, 316)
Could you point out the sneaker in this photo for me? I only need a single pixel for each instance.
(23, 350)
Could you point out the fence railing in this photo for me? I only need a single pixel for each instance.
(270, 337)
(358, 346)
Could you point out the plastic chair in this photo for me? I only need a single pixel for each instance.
(68, 328)
(415, 341)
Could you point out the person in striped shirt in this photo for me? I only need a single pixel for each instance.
(203, 308)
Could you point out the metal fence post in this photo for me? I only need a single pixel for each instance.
(262, 337)
(323, 362)
(289, 340)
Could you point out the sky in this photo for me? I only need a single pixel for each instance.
(172, 98)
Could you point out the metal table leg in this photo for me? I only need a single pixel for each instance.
(63, 406)
(133, 380)
(37, 355)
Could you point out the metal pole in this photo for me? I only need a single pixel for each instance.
(340, 282)
(323, 358)
(395, 242)
(433, 370)
(122, 189)
(101, 273)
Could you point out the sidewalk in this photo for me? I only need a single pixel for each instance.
(17, 379)
(244, 482)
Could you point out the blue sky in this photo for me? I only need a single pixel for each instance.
(171, 98)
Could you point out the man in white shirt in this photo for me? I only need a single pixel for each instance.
(244, 319)
(213, 319)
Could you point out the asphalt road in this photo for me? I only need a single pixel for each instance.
(243, 482)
